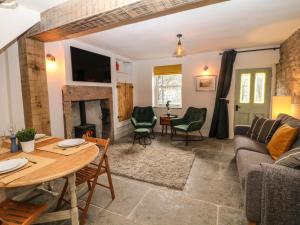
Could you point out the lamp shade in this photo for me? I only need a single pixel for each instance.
(281, 104)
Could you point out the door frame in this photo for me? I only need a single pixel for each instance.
(237, 72)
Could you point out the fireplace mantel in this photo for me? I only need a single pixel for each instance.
(72, 93)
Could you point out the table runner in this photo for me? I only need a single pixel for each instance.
(35, 163)
(65, 151)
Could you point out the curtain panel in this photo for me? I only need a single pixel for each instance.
(220, 121)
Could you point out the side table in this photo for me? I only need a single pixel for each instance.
(165, 121)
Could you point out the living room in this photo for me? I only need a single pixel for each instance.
(193, 105)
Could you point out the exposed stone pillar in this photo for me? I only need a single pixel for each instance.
(288, 68)
(34, 85)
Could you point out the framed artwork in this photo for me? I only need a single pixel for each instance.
(206, 83)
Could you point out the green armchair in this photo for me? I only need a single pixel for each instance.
(193, 120)
(144, 117)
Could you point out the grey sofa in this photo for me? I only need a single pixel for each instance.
(271, 192)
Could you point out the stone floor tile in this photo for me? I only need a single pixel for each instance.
(173, 207)
(127, 196)
(230, 216)
(220, 192)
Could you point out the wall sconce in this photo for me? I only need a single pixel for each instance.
(206, 71)
(50, 61)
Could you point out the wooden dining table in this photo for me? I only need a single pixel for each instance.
(63, 166)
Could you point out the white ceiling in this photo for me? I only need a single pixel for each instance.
(16, 21)
(232, 24)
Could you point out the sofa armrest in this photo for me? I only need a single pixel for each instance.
(268, 196)
(253, 193)
(241, 129)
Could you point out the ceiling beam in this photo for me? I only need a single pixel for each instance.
(80, 17)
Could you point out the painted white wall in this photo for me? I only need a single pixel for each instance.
(11, 102)
(192, 66)
(62, 75)
(13, 23)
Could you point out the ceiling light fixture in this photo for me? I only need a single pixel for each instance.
(8, 4)
(179, 52)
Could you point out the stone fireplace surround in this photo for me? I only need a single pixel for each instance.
(72, 93)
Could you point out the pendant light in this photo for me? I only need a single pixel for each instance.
(8, 4)
(179, 52)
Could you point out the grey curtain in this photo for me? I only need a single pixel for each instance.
(220, 121)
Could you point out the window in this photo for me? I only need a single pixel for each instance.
(168, 88)
(259, 85)
(245, 88)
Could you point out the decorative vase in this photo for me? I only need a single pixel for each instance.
(27, 146)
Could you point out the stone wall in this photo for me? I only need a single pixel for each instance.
(288, 68)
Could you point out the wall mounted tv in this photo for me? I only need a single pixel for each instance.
(90, 67)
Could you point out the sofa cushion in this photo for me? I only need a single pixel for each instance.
(293, 122)
(182, 127)
(262, 129)
(247, 158)
(282, 140)
(243, 142)
(290, 158)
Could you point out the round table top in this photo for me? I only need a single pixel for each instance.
(63, 166)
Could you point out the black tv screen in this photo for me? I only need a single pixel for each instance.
(90, 67)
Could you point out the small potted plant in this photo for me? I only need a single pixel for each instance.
(26, 138)
(168, 108)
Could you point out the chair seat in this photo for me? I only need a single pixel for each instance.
(143, 125)
(19, 213)
(182, 127)
(86, 174)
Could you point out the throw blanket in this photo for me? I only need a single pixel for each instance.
(280, 195)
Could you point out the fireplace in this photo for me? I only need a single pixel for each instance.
(88, 109)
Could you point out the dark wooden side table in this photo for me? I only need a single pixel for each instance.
(165, 121)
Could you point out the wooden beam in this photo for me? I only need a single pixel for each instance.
(34, 84)
(80, 17)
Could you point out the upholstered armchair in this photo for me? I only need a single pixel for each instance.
(143, 117)
(193, 120)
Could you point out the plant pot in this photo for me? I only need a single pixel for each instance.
(27, 146)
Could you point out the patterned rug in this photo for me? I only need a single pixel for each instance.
(157, 164)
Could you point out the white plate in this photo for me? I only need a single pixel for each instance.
(12, 164)
(39, 136)
(70, 143)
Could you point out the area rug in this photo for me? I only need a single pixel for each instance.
(159, 165)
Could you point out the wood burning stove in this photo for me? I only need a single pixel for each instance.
(84, 128)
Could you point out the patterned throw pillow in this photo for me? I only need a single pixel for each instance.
(262, 129)
(290, 158)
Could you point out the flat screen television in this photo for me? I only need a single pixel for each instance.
(90, 67)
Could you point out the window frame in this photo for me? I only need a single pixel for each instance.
(156, 88)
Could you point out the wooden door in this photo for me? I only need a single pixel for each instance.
(125, 101)
(252, 94)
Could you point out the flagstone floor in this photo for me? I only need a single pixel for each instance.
(211, 196)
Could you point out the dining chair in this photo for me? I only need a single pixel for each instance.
(19, 213)
(90, 174)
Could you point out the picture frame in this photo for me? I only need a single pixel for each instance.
(206, 83)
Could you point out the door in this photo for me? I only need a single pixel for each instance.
(252, 94)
